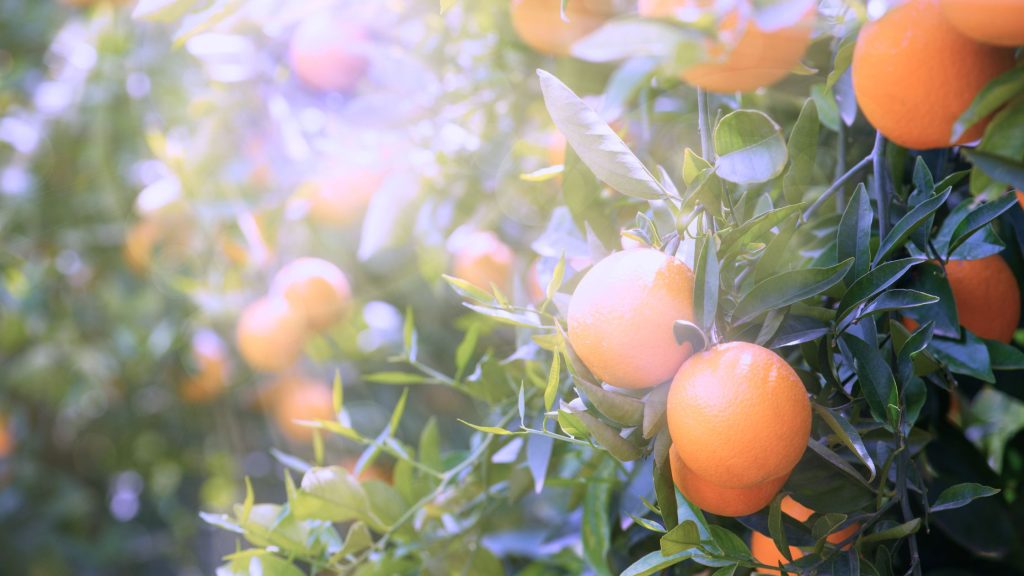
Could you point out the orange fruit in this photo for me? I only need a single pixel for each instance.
(744, 57)
(999, 22)
(270, 334)
(738, 414)
(987, 296)
(211, 368)
(1020, 198)
(914, 74)
(302, 400)
(539, 22)
(622, 314)
(315, 288)
(764, 550)
(482, 259)
(139, 243)
(536, 287)
(340, 196)
(329, 54)
(371, 472)
(721, 500)
(6, 437)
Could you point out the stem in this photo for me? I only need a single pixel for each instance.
(880, 185)
(836, 186)
(707, 151)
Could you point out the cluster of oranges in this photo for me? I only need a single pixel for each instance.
(919, 67)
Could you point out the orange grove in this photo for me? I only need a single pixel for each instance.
(739, 415)
(622, 314)
(914, 74)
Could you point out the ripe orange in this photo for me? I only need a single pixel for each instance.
(371, 472)
(1020, 198)
(302, 400)
(622, 313)
(329, 53)
(540, 25)
(914, 74)
(720, 500)
(738, 414)
(763, 548)
(341, 195)
(6, 437)
(270, 334)
(744, 57)
(211, 369)
(482, 259)
(315, 288)
(998, 22)
(987, 296)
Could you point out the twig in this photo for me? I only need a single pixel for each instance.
(880, 185)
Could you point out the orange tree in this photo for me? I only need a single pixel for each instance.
(746, 329)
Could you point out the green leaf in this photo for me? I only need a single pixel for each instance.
(931, 279)
(731, 544)
(465, 350)
(330, 494)
(788, 288)
(873, 374)
(978, 218)
(681, 538)
(875, 281)
(992, 97)
(204, 21)
(609, 438)
(596, 525)
(446, 4)
(848, 435)
(1004, 356)
(897, 299)
(397, 378)
(894, 533)
(665, 490)
(705, 289)
(357, 540)
(777, 253)
(968, 357)
(778, 535)
(961, 495)
(750, 147)
(689, 333)
(853, 240)
(554, 377)
(906, 225)
(337, 393)
(828, 110)
(999, 168)
(619, 408)
(654, 563)
(396, 415)
(467, 289)
(803, 154)
(754, 230)
(597, 145)
(843, 60)
(162, 10)
(430, 445)
(488, 429)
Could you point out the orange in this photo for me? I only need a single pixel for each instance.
(270, 334)
(329, 54)
(1020, 198)
(341, 195)
(371, 472)
(315, 288)
(482, 259)
(622, 314)
(6, 437)
(720, 500)
(987, 296)
(914, 74)
(744, 57)
(536, 287)
(738, 414)
(139, 243)
(999, 22)
(302, 400)
(540, 25)
(211, 368)
(764, 550)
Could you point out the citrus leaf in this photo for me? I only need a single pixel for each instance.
(978, 218)
(894, 533)
(897, 299)
(681, 538)
(961, 495)
(906, 225)
(853, 240)
(875, 281)
(750, 147)
(706, 281)
(803, 153)
(997, 92)
(998, 168)
(788, 288)
(848, 435)
(873, 374)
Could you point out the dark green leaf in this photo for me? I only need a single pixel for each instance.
(875, 281)
(705, 289)
(873, 374)
(894, 533)
(897, 299)
(788, 288)
(961, 495)
(992, 97)
(681, 538)
(853, 239)
(978, 218)
(1004, 356)
(968, 357)
(998, 168)
(803, 151)
(906, 225)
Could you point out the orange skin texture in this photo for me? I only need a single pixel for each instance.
(340, 196)
(914, 74)
(540, 25)
(622, 313)
(211, 377)
(302, 400)
(763, 548)
(270, 334)
(315, 288)
(998, 22)
(757, 58)
(482, 259)
(720, 500)
(987, 296)
(329, 54)
(739, 415)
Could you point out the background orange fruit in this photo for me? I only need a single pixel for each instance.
(764, 550)
(329, 53)
(721, 500)
(482, 259)
(302, 399)
(270, 334)
(339, 195)
(540, 25)
(739, 415)
(999, 22)
(987, 296)
(211, 368)
(914, 74)
(315, 288)
(744, 57)
(622, 313)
